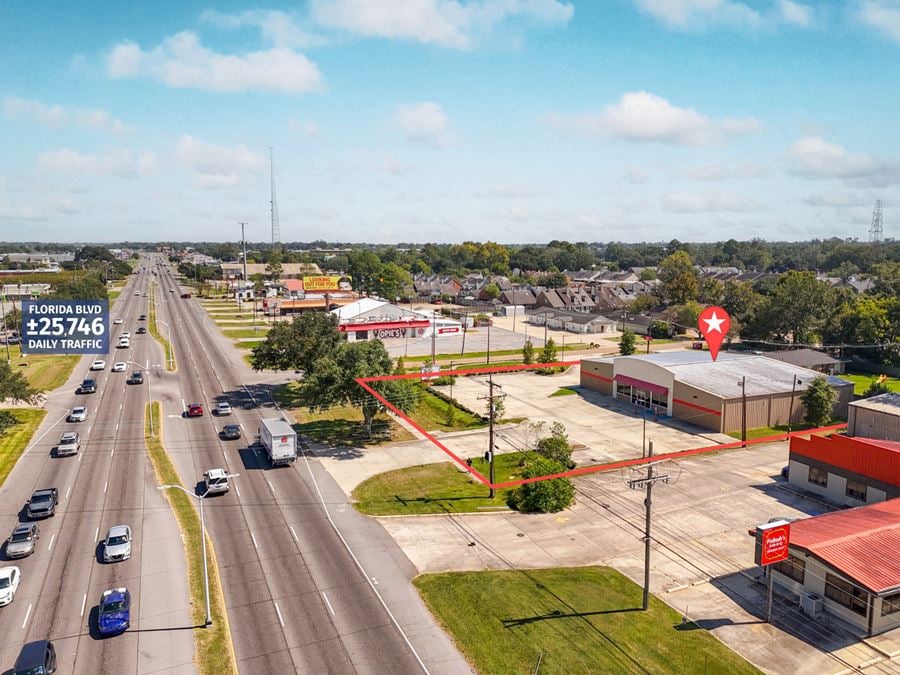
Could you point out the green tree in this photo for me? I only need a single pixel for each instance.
(627, 344)
(88, 287)
(556, 446)
(643, 303)
(297, 345)
(491, 291)
(14, 386)
(678, 278)
(686, 315)
(274, 268)
(819, 399)
(876, 387)
(647, 274)
(544, 496)
(364, 267)
(259, 285)
(392, 281)
(13, 319)
(555, 280)
(797, 307)
(549, 353)
(712, 292)
(528, 352)
(332, 381)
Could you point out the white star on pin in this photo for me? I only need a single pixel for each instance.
(713, 323)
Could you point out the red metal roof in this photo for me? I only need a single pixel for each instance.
(866, 456)
(860, 543)
(293, 284)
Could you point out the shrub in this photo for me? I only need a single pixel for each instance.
(545, 496)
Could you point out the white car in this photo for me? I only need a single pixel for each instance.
(99, 364)
(119, 367)
(78, 414)
(223, 408)
(9, 583)
(119, 320)
(137, 292)
(216, 481)
(117, 545)
(125, 334)
(123, 343)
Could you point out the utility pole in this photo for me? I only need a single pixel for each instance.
(244, 248)
(791, 408)
(3, 311)
(492, 415)
(743, 384)
(433, 337)
(647, 482)
(490, 321)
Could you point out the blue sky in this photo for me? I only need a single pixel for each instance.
(447, 120)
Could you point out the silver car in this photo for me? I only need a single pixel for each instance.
(78, 414)
(117, 546)
(22, 540)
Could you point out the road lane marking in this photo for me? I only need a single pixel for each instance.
(68, 492)
(83, 603)
(238, 490)
(79, 456)
(27, 614)
(183, 406)
(330, 608)
(50, 545)
(271, 487)
(96, 533)
(255, 545)
(117, 426)
(296, 538)
(223, 456)
(278, 612)
(105, 486)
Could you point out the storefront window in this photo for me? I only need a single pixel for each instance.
(846, 594)
(793, 568)
(856, 490)
(818, 476)
(890, 604)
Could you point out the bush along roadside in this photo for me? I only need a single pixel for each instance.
(214, 652)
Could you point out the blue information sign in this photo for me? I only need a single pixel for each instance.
(65, 327)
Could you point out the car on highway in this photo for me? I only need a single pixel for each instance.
(137, 293)
(117, 545)
(142, 317)
(215, 481)
(137, 377)
(22, 541)
(88, 386)
(185, 295)
(123, 343)
(195, 410)
(42, 504)
(223, 408)
(69, 444)
(141, 330)
(78, 414)
(9, 584)
(231, 432)
(99, 364)
(125, 334)
(119, 367)
(36, 658)
(119, 320)
(114, 612)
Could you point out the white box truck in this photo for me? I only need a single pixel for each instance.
(279, 439)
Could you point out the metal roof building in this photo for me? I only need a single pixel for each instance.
(875, 417)
(689, 385)
(846, 563)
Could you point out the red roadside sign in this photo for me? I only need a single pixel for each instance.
(772, 542)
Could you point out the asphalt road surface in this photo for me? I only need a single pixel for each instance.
(109, 482)
(310, 585)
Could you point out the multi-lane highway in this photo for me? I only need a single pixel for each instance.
(109, 482)
(310, 585)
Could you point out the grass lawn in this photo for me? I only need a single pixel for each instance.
(246, 332)
(45, 372)
(431, 413)
(436, 488)
(861, 382)
(214, 651)
(572, 620)
(564, 391)
(762, 432)
(17, 437)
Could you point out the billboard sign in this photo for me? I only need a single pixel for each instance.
(772, 542)
(65, 327)
(327, 283)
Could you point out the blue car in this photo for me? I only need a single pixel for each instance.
(115, 611)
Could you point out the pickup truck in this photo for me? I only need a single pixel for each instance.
(69, 444)
(42, 503)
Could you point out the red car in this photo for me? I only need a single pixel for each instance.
(195, 410)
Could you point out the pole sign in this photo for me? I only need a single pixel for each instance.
(65, 327)
(772, 542)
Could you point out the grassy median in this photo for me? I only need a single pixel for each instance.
(44, 372)
(17, 437)
(569, 620)
(214, 651)
(154, 331)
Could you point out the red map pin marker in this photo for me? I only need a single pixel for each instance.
(713, 323)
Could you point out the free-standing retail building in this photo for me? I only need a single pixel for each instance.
(690, 386)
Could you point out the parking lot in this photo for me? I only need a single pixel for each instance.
(476, 340)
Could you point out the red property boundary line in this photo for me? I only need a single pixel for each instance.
(609, 466)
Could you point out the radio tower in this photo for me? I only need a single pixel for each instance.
(876, 232)
(276, 227)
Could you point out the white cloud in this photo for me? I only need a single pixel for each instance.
(709, 202)
(277, 28)
(122, 163)
(449, 23)
(58, 116)
(699, 14)
(509, 191)
(645, 117)
(717, 172)
(424, 122)
(181, 61)
(218, 165)
(835, 199)
(881, 14)
(814, 157)
(306, 127)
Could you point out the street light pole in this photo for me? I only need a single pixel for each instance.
(791, 408)
(744, 411)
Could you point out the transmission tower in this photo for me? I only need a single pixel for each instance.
(876, 231)
(276, 226)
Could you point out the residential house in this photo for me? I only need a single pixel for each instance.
(809, 358)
